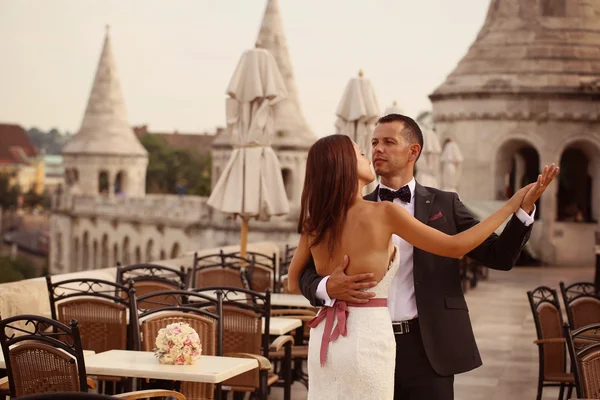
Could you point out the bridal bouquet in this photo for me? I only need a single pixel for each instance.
(178, 344)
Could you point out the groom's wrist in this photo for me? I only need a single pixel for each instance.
(525, 217)
(322, 295)
(527, 208)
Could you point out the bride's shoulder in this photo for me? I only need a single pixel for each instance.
(382, 208)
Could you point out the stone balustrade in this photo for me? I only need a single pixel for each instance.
(170, 209)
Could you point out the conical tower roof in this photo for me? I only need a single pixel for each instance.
(532, 47)
(105, 129)
(290, 120)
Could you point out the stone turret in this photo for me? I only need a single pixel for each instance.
(105, 156)
(527, 94)
(293, 135)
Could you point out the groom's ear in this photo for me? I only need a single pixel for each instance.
(415, 152)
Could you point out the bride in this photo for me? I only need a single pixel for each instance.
(352, 347)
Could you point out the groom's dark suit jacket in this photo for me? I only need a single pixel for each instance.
(444, 321)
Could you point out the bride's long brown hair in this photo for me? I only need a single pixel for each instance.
(330, 187)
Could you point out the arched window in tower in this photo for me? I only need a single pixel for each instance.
(104, 252)
(103, 182)
(287, 176)
(75, 255)
(69, 180)
(95, 255)
(163, 255)
(576, 184)
(121, 183)
(175, 250)
(85, 260)
(138, 255)
(517, 164)
(116, 259)
(149, 251)
(76, 175)
(126, 255)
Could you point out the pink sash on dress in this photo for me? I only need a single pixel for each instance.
(339, 309)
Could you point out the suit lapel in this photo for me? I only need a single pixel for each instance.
(423, 203)
(373, 195)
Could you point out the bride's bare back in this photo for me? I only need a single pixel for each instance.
(364, 239)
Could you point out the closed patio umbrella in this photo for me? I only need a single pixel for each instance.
(251, 184)
(357, 114)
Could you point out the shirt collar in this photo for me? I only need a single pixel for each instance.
(411, 185)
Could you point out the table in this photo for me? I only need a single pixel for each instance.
(143, 364)
(289, 300)
(86, 354)
(277, 299)
(281, 326)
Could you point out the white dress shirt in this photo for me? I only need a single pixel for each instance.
(401, 299)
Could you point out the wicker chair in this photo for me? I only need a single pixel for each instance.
(34, 361)
(149, 278)
(284, 265)
(584, 349)
(261, 271)
(300, 347)
(101, 314)
(142, 394)
(45, 356)
(551, 344)
(157, 310)
(243, 314)
(214, 271)
(582, 302)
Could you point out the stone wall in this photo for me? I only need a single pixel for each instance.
(94, 232)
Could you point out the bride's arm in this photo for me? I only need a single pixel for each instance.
(298, 263)
(401, 223)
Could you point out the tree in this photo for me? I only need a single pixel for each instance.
(175, 170)
(32, 199)
(9, 194)
(16, 270)
(51, 142)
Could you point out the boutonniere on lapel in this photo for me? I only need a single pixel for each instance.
(435, 216)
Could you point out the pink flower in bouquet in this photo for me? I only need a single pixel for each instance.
(178, 344)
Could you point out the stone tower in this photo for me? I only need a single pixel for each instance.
(293, 135)
(105, 156)
(526, 94)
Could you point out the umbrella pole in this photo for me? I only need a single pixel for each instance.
(244, 238)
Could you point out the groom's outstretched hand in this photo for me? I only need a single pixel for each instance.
(348, 288)
(544, 179)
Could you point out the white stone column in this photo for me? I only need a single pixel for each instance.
(112, 176)
(594, 171)
(548, 205)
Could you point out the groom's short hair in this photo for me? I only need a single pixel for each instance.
(411, 130)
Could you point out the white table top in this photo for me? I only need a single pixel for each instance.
(281, 326)
(143, 364)
(86, 354)
(289, 300)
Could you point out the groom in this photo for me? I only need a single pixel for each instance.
(434, 338)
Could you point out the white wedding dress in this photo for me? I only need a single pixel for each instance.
(361, 364)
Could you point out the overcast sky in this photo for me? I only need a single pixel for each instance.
(175, 57)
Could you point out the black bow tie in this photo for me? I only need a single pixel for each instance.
(389, 195)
